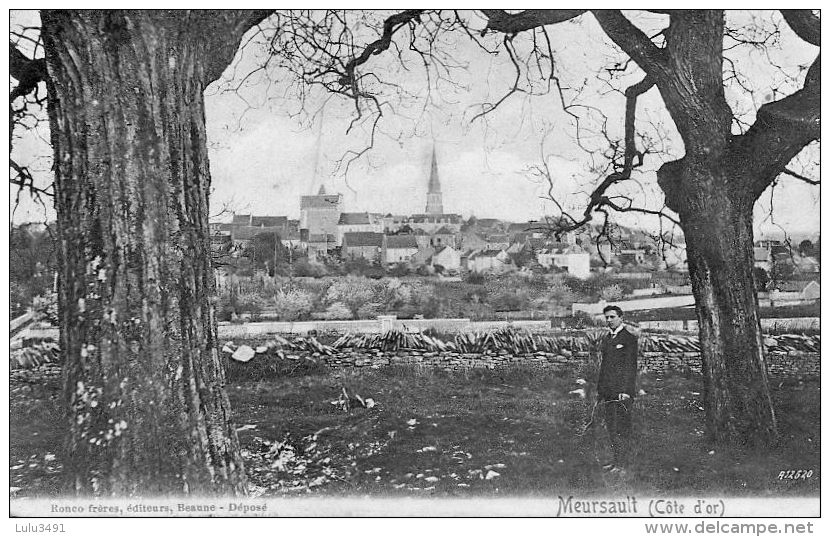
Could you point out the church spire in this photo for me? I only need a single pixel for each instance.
(435, 204)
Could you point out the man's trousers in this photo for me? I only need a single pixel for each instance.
(618, 425)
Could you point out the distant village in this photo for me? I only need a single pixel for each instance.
(443, 243)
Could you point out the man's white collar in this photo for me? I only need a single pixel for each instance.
(617, 331)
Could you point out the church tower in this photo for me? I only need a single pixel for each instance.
(435, 205)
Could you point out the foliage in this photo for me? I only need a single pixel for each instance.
(400, 269)
(304, 268)
(475, 278)
(524, 258)
(510, 300)
(47, 306)
(393, 295)
(18, 299)
(32, 265)
(250, 304)
(267, 251)
(612, 292)
(581, 319)
(761, 278)
(353, 291)
(360, 266)
(336, 312)
(293, 304)
(370, 310)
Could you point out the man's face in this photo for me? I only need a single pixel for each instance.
(612, 319)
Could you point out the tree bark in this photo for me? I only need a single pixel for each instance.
(144, 386)
(716, 217)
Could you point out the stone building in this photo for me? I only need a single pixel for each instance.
(398, 248)
(356, 222)
(362, 244)
(319, 214)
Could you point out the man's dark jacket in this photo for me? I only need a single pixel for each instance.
(618, 371)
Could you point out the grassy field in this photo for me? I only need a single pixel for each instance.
(479, 434)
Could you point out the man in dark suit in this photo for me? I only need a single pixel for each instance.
(616, 385)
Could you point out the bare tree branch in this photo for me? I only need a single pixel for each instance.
(500, 21)
(801, 177)
(632, 41)
(632, 158)
(390, 26)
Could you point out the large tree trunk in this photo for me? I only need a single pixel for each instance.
(144, 385)
(716, 218)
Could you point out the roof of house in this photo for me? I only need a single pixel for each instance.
(557, 246)
(487, 222)
(423, 254)
(353, 219)
(522, 226)
(444, 230)
(357, 239)
(436, 218)
(269, 221)
(241, 219)
(471, 235)
(486, 253)
(442, 249)
(498, 237)
(401, 241)
(328, 201)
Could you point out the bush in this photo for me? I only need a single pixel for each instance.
(475, 278)
(353, 291)
(611, 293)
(400, 269)
(314, 270)
(424, 270)
(392, 295)
(47, 306)
(250, 303)
(293, 304)
(225, 312)
(19, 299)
(336, 312)
(476, 311)
(580, 320)
(510, 301)
(369, 311)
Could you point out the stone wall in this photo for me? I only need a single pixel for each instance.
(791, 324)
(795, 364)
(375, 326)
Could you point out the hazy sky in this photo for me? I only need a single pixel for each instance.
(264, 155)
